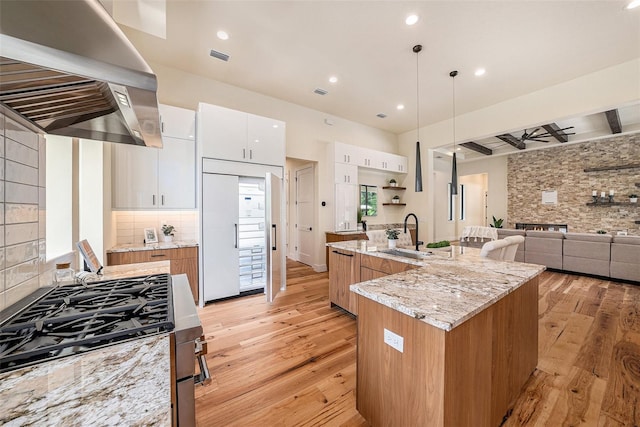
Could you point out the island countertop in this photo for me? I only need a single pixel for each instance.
(449, 287)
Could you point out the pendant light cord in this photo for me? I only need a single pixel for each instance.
(418, 94)
(453, 75)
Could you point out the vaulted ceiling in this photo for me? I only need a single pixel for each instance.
(286, 49)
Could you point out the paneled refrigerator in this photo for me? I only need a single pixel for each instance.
(241, 234)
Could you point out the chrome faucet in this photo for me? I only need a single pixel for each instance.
(418, 242)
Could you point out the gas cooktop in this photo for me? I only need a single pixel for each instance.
(60, 321)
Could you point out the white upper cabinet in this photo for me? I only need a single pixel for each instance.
(235, 135)
(152, 178)
(177, 174)
(367, 158)
(266, 140)
(177, 122)
(135, 177)
(345, 153)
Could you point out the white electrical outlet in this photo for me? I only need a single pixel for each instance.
(394, 340)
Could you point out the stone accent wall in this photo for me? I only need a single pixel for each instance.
(562, 169)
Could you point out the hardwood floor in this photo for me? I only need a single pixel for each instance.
(293, 363)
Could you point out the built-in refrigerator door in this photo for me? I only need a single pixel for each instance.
(276, 273)
(220, 212)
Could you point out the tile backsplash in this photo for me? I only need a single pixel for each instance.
(130, 225)
(22, 219)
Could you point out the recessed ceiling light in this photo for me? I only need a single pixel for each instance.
(222, 35)
(333, 79)
(275, 126)
(480, 72)
(411, 19)
(400, 107)
(633, 4)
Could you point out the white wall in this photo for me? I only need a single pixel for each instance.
(308, 137)
(91, 196)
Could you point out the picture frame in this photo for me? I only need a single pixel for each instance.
(150, 235)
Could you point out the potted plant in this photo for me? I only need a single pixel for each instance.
(393, 183)
(633, 198)
(497, 223)
(392, 235)
(168, 231)
(396, 199)
(601, 232)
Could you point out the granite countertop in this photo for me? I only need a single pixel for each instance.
(132, 247)
(133, 270)
(449, 287)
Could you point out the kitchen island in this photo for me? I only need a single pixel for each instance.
(449, 342)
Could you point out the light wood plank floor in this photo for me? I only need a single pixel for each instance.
(293, 363)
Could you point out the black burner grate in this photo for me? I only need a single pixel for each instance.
(76, 318)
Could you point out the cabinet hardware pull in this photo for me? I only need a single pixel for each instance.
(236, 243)
(163, 200)
(244, 153)
(251, 154)
(340, 253)
(157, 255)
(162, 127)
(154, 200)
(275, 236)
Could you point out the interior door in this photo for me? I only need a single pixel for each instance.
(220, 213)
(274, 233)
(304, 216)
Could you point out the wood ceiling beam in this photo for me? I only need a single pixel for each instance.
(478, 148)
(512, 140)
(614, 121)
(555, 131)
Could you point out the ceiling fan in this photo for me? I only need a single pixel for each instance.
(541, 137)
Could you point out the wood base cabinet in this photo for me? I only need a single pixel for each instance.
(183, 261)
(332, 237)
(469, 376)
(345, 272)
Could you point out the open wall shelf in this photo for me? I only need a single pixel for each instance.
(389, 187)
(613, 204)
(613, 168)
(394, 204)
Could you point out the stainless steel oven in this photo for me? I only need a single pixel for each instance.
(187, 347)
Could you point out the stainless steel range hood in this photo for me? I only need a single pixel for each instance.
(67, 68)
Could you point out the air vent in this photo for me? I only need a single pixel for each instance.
(219, 55)
(320, 91)
(381, 115)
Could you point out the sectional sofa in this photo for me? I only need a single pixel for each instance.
(603, 255)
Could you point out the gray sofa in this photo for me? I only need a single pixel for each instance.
(603, 255)
(587, 253)
(625, 258)
(544, 247)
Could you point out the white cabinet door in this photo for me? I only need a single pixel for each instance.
(382, 161)
(346, 174)
(365, 157)
(135, 177)
(177, 122)
(398, 163)
(345, 153)
(266, 141)
(177, 174)
(346, 203)
(220, 212)
(222, 132)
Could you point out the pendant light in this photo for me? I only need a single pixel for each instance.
(417, 48)
(454, 164)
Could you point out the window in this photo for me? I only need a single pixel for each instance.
(368, 200)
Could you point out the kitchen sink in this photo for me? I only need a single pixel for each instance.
(406, 253)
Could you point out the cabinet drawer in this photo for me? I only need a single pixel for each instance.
(384, 265)
(134, 257)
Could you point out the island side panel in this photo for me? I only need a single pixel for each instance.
(468, 364)
(515, 346)
(393, 388)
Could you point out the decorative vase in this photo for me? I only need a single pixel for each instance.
(633, 199)
(168, 239)
(392, 243)
(395, 200)
(393, 184)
